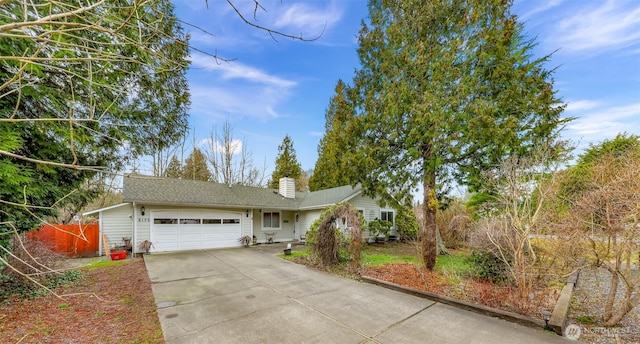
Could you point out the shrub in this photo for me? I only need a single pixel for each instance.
(379, 228)
(331, 245)
(32, 258)
(454, 225)
(407, 224)
(489, 267)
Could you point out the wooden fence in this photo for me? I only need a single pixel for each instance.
(73, 240)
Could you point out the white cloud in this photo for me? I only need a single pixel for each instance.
(543, 7)
(605, 122)
(630, 111)
(236, 70)
(235, 89)
(308, 19)
(614, 24)
(210, 104)
(581, 105)
(236, 146)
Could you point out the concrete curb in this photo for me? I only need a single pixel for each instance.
(484, 310)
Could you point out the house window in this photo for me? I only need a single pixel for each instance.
(189, 221)
(230, 221)
(387, 215)
(271, 220)
(211, 221)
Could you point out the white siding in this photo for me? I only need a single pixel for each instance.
(369, 206)
(306, 219)
(283, 233)
(371, 211)
(116, 223)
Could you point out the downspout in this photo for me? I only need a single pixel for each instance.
(134, 240)
(251, 224)
(100, 216)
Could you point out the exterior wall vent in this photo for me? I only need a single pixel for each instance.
(287, 187)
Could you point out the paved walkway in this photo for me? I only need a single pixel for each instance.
(248, 295)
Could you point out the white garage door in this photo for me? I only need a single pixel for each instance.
(191, 230)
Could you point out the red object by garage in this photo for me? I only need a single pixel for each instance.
(118, 255)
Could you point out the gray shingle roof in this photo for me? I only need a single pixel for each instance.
(323, 198)
(169, 191)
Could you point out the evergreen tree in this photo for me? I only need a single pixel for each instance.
(286, 164)
(447, 89)
(335, 150)
(195, 167)
(174, 170)
(76, 96)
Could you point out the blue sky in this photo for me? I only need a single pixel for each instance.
(274, 88)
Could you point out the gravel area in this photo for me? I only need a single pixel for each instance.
(587, 309)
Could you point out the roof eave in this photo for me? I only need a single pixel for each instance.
(211, 205)
(105, 208)
(352, 196)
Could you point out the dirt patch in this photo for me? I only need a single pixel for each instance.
(112, 304)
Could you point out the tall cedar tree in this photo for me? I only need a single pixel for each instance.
(195, 167)
(447, 89)
(286, 164)
(336, 148)
(174, 169)
(76, 96)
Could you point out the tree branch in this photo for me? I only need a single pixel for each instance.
(272, 33)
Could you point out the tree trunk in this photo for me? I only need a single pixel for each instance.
(428, 235)
(626, 307)
(611, 298)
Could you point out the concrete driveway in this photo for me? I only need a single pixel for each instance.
(248, 295)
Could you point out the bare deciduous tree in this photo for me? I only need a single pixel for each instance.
(515, 215)
(231, 162)
(606, 215)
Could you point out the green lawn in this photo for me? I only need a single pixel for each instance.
(295, 254)
(377, 259)
(455, 261)
(394, 253)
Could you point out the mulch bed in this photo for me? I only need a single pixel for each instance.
(111, 304)
(407, 275)
(474, 291)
